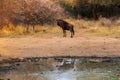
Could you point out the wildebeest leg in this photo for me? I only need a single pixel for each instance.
(33, 28)
(27, 28)
(72, 32)
(64, 33)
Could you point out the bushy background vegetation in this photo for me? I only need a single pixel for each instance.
(92, 8)
(16, 15)
(31, 12)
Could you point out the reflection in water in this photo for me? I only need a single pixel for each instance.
(62, 75)
(60, 69)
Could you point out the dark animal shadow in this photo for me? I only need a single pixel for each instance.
(65, 26)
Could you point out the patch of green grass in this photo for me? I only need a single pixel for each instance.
(114, 79)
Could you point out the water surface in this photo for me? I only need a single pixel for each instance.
(60, 69)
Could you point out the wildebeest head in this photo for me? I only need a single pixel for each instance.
(60, 22)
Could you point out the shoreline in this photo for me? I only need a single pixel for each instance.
(37, 59)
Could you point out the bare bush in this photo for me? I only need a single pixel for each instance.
(42, 11)
(29, 11)
(11, 11)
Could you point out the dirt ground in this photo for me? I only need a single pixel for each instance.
(30, 46)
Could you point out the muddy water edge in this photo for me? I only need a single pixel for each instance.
(60, 68)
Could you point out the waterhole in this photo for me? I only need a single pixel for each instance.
(61, 69)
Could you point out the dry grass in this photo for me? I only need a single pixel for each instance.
(102, 27)
(105, 31)
(20, 30)
(69, 2)
(47, 31)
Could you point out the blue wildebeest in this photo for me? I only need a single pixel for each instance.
(65, 26)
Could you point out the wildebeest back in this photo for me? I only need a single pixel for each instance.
(64, 25)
